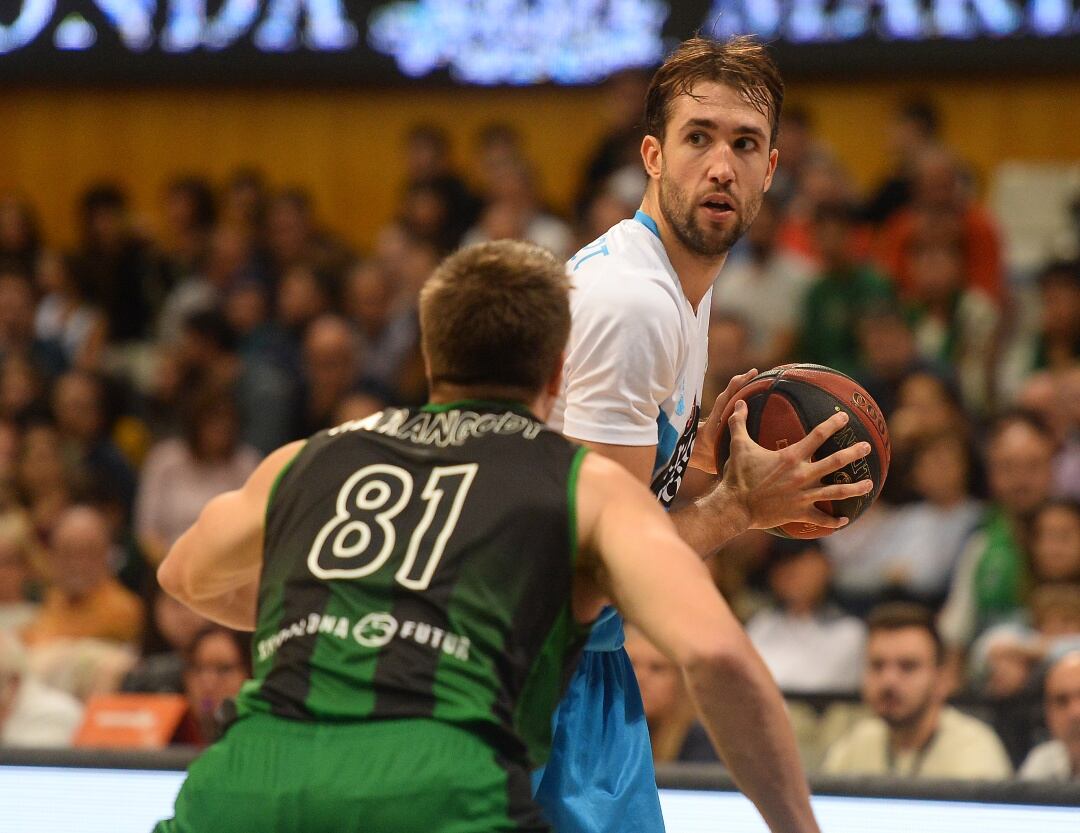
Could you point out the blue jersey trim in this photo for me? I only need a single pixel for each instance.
(666, 440)
(648, 222)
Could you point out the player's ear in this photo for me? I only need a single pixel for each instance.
(774, 154)
(554, 385)
(652, 155)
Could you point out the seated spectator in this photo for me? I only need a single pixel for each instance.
(264, 391)
(914, 128)
(169, 635)
(888, 356)
(913, 733)
(954, 323)
(45, 477)
(514, 210)
(751, 283)
(1059, 759)
(1055, 542)
(843, 291)
(118, 269)
(190, 213)
(429, 164)
(1057, 343)
(294, 238)
(22, 390)
(16, 569)
(823, 182)
(808, 644)
(78, 403)
(303, 294)
(673, 730)
(216, 663)
(32, 715)
(927, 406)
(331, 370)
(17, 336)
(182, 474)
(991, 574)
(83, 599)
(388, 330)
(229, 260)
(1061, 409)
(941, 204)
(64, 317)
(1005, 658)
(914, 551)
(617, 200)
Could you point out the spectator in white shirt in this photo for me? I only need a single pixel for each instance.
(32, 715)
(807, 643)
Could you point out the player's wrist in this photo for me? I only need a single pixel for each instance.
(731, 506)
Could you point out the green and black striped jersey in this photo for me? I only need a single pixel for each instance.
(419, 564)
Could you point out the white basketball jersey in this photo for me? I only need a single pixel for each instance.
(638, 351)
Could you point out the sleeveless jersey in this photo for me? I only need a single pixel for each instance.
(419, 564)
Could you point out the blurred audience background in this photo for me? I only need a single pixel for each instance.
(147, 366)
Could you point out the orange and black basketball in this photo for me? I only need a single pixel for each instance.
(786, 403)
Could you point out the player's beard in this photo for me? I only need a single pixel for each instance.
(680, 212)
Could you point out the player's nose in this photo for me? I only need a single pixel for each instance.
(721, 165)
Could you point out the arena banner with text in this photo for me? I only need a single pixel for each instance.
(511, 42)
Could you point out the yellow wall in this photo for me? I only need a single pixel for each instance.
(344, 145)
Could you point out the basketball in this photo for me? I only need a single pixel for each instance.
(784, 404)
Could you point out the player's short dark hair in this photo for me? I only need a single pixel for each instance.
(896, 616)
(496, 315)
(742, 63)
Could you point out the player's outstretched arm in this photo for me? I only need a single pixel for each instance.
(632, 554)
(214, 566)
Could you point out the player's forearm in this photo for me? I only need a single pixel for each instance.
(746, 719)
(710, 521)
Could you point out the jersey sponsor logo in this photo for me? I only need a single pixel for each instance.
(666, 483)
(443, 429)
(374, 630)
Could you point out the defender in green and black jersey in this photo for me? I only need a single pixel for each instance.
(399, 600)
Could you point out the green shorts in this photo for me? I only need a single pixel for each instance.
(272, 775)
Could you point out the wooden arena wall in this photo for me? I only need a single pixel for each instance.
(343, 145)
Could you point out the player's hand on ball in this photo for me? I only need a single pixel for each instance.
(703, 457)
(780, 487)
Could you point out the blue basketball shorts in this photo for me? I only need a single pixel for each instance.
(600, 776)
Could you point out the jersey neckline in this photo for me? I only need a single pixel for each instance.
(484, 404)
(648, 222)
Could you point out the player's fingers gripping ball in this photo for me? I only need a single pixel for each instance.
(786, 403)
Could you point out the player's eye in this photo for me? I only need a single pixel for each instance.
(697, 138)
(746, 143)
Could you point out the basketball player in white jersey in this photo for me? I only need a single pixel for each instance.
(632, 391)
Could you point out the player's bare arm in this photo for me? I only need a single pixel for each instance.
(760, 488)
(214, 567)
(676, 605)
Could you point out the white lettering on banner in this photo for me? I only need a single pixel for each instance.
(374, 630)
(514, 41)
